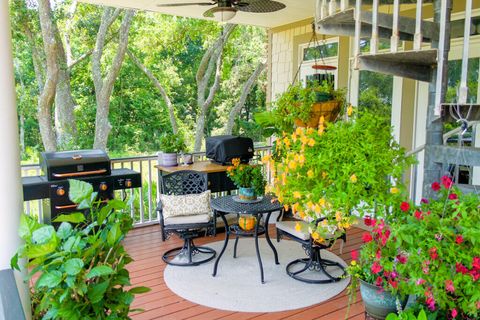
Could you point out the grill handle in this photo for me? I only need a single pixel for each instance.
(79, 174)
(73, 206)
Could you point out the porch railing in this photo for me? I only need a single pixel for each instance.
(143, 207)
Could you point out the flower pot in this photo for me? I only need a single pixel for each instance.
(187, 158)
(378, 302)
(168, 159)
(246, 193)
(328, 109)
(246, 222)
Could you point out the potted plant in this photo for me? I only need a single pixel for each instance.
(78, 268)
(170, 145)
(441, 239)
(248, 178)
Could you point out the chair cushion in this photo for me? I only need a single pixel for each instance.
(289, 227)
(192, 219)
(185, 205)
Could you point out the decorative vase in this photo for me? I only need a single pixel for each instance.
(168, 159)
(246, 193)
(246, 222)
(378, 302)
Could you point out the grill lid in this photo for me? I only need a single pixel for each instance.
(66, 158)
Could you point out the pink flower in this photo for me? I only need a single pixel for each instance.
(476, 263)
(418, 214)
(405, 206)
(452, 196)
(447, 182)
(459, 239)
(425, 200)
(379, 281)
(435, 186)
(393, 283)
(366, 237)
(433, 253)
(378, 254)
(354, 254)
(454, 313)
(394, 274)
(430, 303)
(460, 268)
(449, 286)
(475, 275)
(369, 221)
(376, 268)
(420, 282)
(402, 259)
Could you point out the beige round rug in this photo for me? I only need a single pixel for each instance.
(237, 286)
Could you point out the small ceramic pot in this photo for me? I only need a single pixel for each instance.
(246, 193)
(187, 158)
(168, 159)
(378, 302)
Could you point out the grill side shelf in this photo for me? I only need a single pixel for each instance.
(35, 188)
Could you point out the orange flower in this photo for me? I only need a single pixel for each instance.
(311, 142)
(353, 178)
(236, 162)
(310, 173)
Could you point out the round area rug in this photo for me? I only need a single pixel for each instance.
(237, 286)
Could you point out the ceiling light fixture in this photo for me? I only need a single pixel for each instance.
(224, 13)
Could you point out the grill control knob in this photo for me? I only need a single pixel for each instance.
(103, 186)
(60, 192)
(128, 183)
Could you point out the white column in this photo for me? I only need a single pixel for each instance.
(397, 101)
(11, 193)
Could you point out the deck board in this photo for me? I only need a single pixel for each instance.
(146, 248)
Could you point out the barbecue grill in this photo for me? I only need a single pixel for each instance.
(92, 166)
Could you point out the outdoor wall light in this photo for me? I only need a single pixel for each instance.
(223, 13)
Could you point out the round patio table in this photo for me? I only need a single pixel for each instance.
(227, 204)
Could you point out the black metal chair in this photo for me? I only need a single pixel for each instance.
(186, 227)
(314, 268)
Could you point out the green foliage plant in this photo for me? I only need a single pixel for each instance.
(441, 238)
(172, 143)
(408, 315)
(78, 269)
(347, 166)
(247, 176)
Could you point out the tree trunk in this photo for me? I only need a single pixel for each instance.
(247, 88)
(104, 86)
(158, 85)
(45, 100)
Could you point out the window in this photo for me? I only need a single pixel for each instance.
(325, 53)
(454, 74)
(326, 50)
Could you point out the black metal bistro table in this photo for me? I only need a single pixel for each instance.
(227, 204)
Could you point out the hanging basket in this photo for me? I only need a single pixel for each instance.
(328, 109)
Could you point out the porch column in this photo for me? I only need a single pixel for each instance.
(11, 194)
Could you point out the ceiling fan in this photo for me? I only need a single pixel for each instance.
(225, 10)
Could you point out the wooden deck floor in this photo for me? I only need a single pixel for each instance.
(146, 247)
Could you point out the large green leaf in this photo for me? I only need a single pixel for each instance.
(43, 234)
(27, 226)
(49, 279)
(40, 250)
(97, 291)
(76, 217)
(79, 190)
(99, 271)
(64, 230)
(73, 266)
(114, 234)
(138, 290)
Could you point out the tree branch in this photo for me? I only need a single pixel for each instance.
(158, 85)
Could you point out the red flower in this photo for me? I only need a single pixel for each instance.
(418, 214)
(454, 313)
(354, 254)
(378, 254)
(379, 282)
(475, 274)
(425, 200)
(430, 303)
(376, 268)
(435, 186)
(452, 196)
(459, 239)
(449, 286)
(393, 283)
(476, 263)
(405, 206)
(447, 182)
(367, 237)
(433, 253)
(460, 268)
(402, 259)
(368, 221)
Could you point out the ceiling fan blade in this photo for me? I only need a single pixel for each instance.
(261, 6)
(187, 4)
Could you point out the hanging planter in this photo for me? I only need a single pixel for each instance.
(329, 110)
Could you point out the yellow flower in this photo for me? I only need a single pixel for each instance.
(236, 162)
(310, 130)
(311, 142)
(280, 198)
(353, 178)
(317, 209)
(324, 223)
(394, 190)
(321, 129)
(338, 216)
(310, 204)
(297, 195)
(304, 139)
(294, 137)
(266, 158)
(295, 207)
(299, 131)
(302, 214)
(349, 110)
(292, 164)
(353, 263)
(301, 159)
(315, 235)
(322, 120)
(286, 141)
(286, 207)
(322, 202)
(310, 173)
(324, 175)
(298, 227)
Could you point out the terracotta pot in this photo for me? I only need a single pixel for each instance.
(246, 222)
(378, 302)
(328, 109)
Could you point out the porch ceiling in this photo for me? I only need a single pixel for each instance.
(295, 11)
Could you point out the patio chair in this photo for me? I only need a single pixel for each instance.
(314, 268)
(184, 209)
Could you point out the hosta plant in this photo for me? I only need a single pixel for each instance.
(77, 270)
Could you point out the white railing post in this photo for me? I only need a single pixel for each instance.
(463, 90)
(374, 38)
(440, 62)
(418, 37)
(332, 7)
(344, 4)
(358, 31)
(324, 9)
(395, 39)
